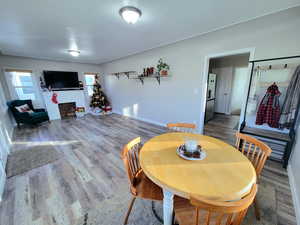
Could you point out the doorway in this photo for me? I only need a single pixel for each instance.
(226, 85)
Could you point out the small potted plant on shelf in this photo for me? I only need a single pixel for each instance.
(162, 67)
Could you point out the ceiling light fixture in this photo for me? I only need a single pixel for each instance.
(74, 53)
(130, 14)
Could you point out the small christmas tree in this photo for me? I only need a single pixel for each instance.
(99, 101)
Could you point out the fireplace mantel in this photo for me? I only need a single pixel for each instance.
(76, 96)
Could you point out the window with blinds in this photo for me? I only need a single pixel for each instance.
(21, 82)
(89, 79)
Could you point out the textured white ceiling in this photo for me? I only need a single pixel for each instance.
(48, 28)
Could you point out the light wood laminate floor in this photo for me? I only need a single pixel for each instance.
(90, 170)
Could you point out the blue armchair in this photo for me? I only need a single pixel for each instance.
(38, 115)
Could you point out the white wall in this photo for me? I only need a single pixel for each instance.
(293, 169)
(6, 123)
(238, 89)
(6, 129)
(179, 98)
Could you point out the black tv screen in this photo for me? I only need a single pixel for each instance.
(61, 80)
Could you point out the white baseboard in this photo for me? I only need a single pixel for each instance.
(141, 119)
(295, 197)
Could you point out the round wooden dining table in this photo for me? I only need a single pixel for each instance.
(225, 174)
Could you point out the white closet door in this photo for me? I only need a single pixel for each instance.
(223, 91)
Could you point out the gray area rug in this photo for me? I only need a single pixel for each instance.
(113, 210)
(22, 161)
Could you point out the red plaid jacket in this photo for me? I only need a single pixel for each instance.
(269, 108)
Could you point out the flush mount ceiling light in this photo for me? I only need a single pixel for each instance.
(130, 14)
(74, 53)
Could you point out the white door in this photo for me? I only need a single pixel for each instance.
(223, 90)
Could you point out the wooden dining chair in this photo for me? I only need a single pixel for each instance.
(182, 127)
(257, 152)
(140, 185)
(199, 211)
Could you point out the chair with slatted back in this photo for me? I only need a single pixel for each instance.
(182, 127)
(257, 152)
(199, 211)
(140, 185)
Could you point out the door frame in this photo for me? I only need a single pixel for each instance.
(207, 59)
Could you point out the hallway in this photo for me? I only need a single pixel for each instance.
(223, 127)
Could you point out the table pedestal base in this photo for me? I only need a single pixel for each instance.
(168, 207)
(158, 217)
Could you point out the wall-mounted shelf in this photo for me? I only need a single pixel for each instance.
(156, 76)
(126, 73)
(133, 75)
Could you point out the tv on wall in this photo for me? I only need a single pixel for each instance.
(61, 80)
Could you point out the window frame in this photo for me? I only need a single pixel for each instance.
(13, 89)
(88, 85)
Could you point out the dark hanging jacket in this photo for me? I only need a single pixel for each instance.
(290, 105)
(269, 108)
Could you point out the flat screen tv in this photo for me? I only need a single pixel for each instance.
(61, 80)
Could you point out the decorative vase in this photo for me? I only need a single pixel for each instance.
(164, 72)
